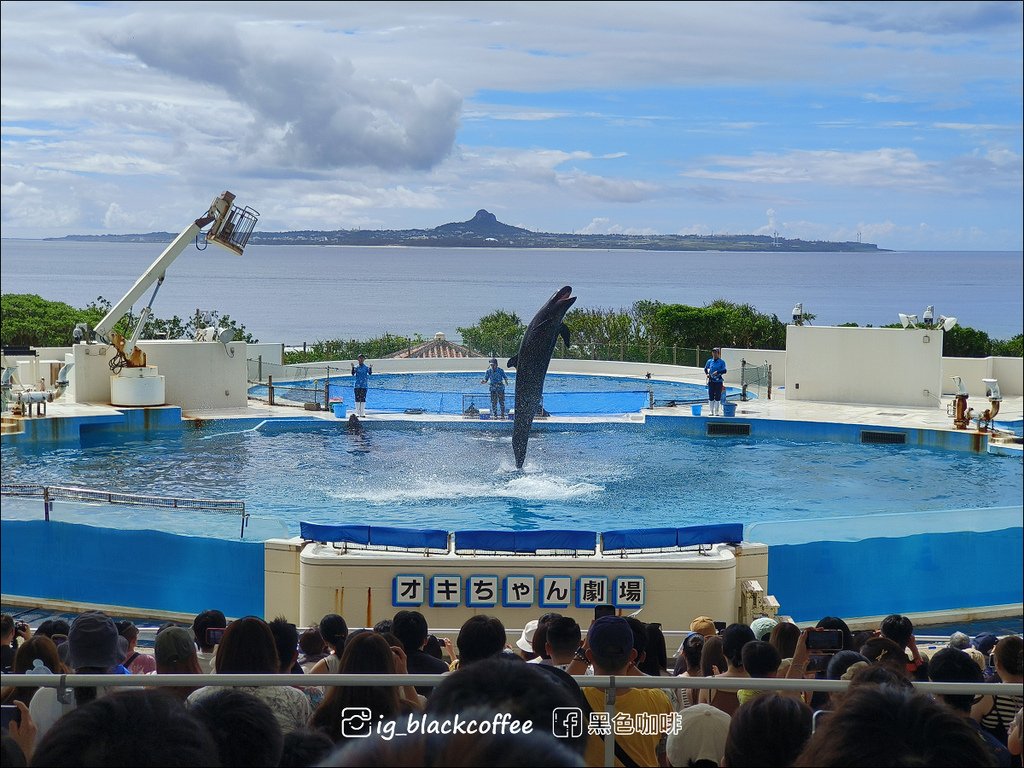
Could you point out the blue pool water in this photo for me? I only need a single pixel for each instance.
(564, 394)
(592, 477)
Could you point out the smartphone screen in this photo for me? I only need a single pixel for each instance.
(603, 610)
(214, 635)
(11, 714)
(825, 639)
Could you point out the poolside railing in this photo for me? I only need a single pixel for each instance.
(51, 493)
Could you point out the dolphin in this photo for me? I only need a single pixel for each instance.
(531, 364)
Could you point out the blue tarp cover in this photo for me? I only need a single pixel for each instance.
(726, 533)
(639, 538)
(377, 536)
(524, 541)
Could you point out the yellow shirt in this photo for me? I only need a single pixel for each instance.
(632, 733)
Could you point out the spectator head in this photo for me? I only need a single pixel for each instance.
(699, 736)
(212, 619)
(6, 628)
(433, 647)
(563, 636)
(311, 642)
(839, 664)
(384, 626)
(37, 648)
(507, 685)
(691, 649)
(897, 628)
(540, 637)
(247, 647)
(985, 642)
(410, 627)
(834, 622)
(949, 665)
(893, 726)
(139, 728)
(878, 674)
(52, 627)
(243, 727)
(882, 650)
(304, 747)
(93, 642)
(525, 641)
(1009, 653)
(480, 637)
(640, 637)
(704, 625)
(784, 637)
(128, 631)
(734, 637)
(960, 641)
(712, 655)
(762, 627)
(611, 644)
(656, 661)
(760, 659)
(174, 650)
(768, 730)
(286, 641)
(334, 631)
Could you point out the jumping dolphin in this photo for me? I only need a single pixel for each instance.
(531, 364)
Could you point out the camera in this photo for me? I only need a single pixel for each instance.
(11, 714)
(830, 640)
(21, 626)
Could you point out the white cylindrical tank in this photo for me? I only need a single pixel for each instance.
(137, 386)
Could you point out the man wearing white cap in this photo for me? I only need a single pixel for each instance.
(700, 736)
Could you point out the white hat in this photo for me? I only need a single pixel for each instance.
(525, 641)
(700, 736)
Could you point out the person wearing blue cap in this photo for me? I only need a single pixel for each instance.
(496, 378)
(609, 648)
(361, 376)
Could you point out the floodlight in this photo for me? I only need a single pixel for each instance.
(947, 323)
(992, 389)
(929, 315)
(960, 388)
(908, 321)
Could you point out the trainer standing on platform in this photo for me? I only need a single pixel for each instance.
(361, 374)
(715, 370)
(496, 378)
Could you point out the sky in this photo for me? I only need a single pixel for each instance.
(896, 123)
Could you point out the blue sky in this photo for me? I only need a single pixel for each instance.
(897, 122)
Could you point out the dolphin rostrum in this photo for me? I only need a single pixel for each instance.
(531, 364)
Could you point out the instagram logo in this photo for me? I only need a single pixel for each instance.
(567, 722)
(356, 722)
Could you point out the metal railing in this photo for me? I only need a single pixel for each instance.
(611, 684)
(52, 493)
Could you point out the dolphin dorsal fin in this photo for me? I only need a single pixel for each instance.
(564, 333)
(512, 361)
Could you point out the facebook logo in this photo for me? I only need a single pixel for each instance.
(567, 722)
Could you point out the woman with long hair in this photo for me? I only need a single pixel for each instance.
(39, 649)
(366, 653)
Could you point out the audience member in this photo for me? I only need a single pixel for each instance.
(8, 644)
(410, 627)
(286, 639)
(524, 645)
(952, 666)
(137, 728)
(712, 657)
(882, 650)
(334, 631)
(174, 651)
(995, 713)
(760, 660)
(885, 725)
(1013, 740)
(784, 636)
(480, 637)
(639, 630)
(506, 685)
(688, 665)
(563, 639)
(900, 630)
(137, 663)
(734, 637)
(313, 648)
(540, 637)
(960, 640)
(37, 654)
(610, 649)
(212, 619)
(248, 648)
(93, 648)
(655, 663)
(52, 627)
(762, 627)
(704, 626)
(244, 728)
(699, 740)
(305, 747)
(768, 730)
(366, 653)
(384, 626)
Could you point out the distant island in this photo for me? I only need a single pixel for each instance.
(485, 231)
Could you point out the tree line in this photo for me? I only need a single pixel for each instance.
(648, 331)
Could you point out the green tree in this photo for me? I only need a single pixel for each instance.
(499, 333)
(27, 319)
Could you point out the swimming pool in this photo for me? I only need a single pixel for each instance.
(591, 477)
(564, 394)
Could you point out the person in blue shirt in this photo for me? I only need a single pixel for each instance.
(714, 368)
(496, 378)
(361, 374)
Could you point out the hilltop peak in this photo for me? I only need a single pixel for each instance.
(483, 223)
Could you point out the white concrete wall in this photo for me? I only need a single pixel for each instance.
(271, 353)
(199, 375)
(884, 366)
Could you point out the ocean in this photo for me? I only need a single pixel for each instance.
(300, 293)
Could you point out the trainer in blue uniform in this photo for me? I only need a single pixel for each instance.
(496, 378)
(715, 370)
(361, 374)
